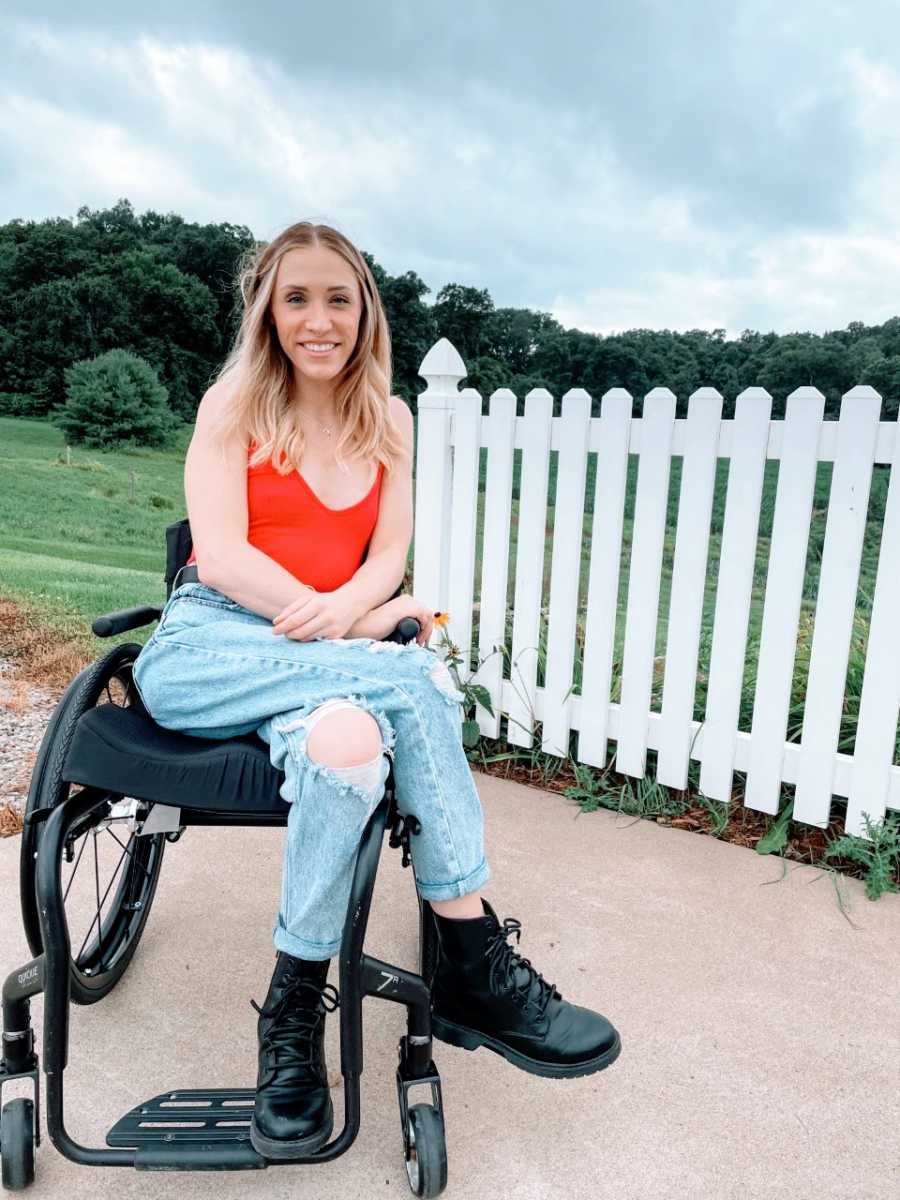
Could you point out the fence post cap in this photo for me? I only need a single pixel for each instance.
(443, 361)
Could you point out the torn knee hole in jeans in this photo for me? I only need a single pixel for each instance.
(360, 779)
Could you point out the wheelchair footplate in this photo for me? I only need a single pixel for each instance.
(203, 1129)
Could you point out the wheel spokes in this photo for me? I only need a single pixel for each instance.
(97, 919)
(74, 869)
(129, 852)
(129, 885)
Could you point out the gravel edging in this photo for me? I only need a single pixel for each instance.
(25, 710)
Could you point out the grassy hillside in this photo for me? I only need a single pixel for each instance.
(86, 538)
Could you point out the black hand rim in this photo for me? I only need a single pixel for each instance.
(122, 891)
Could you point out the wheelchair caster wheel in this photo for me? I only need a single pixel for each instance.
(17, 1144)
(426, 1160)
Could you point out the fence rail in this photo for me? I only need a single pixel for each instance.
(451, 435)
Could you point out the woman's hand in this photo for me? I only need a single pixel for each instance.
(315, 614)
(326, 614)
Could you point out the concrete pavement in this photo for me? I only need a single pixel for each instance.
(760, 1032)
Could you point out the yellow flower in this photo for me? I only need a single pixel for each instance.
(441, 618)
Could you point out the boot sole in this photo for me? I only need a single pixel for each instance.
(280, 1148)
(471, 1039)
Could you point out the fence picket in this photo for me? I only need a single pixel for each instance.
(466, 439)
(501, 434)
(734, 592)
(565, 571)
(611, 433)
(536, 430)
(879, 704)
(845, 529)
(643, 580)
(698, 481)
(784, 591)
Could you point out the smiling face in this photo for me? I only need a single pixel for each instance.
(316, 302)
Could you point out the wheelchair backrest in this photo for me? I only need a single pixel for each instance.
(178, 550)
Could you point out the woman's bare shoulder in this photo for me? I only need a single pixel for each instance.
(213, 411)
(216, 398)
(401, 415)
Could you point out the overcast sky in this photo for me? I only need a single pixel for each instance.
(638, 164)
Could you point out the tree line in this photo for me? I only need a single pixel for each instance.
(164, 289)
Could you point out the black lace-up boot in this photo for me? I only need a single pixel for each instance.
(485, 994)
(292, 1110)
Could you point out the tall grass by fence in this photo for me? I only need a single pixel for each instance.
(540, 664)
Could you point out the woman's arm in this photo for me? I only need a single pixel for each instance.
(375, 624)
(215, 488)
(385, 564)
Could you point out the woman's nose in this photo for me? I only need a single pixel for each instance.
(318, 318)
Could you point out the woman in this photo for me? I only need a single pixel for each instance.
(300, 458)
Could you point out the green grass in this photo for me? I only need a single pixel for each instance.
(87, 538)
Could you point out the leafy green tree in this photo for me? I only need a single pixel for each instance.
(459, 314)
(803, 359)
(115, 398)
(512, 335)
(133, 300)
(486, 374)
(412, 325)
(211, 253)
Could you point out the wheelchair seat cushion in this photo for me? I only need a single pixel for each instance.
(122, 751)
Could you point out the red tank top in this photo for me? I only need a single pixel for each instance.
(288, 522)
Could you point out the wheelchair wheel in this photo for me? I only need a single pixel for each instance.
(17, 1144)
(426, 1163)
(112, 881)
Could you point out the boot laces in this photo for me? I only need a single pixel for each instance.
(290, 1039)
(504, 963)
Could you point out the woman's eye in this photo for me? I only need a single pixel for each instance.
(343, 299)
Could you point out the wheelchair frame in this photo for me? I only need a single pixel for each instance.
(215, 1147)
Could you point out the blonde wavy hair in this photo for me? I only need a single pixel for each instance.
(259, 374)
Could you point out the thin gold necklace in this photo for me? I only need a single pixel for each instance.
(326, 429)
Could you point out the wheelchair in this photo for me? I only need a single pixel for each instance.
(106, 773)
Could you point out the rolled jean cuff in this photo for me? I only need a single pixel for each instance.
(452, 891)
(299, 948)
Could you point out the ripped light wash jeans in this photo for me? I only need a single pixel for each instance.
(214, 669)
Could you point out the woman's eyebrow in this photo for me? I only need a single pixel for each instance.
(301, 287)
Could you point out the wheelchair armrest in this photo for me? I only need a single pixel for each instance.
(406, 630)
(128, 618)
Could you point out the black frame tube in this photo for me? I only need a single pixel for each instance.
(360, 975)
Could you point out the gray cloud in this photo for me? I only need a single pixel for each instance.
(641, 164)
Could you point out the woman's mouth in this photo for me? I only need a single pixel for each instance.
(319, 349)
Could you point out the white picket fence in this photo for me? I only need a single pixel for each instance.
(451, 432)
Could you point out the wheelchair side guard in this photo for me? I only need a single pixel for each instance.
(162, 818)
